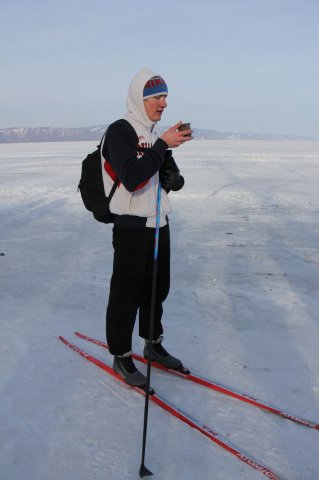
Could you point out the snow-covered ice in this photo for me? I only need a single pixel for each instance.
(243, 310)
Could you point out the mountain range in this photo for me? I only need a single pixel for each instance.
(94, 133)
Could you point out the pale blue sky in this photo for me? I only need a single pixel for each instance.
(230, 65)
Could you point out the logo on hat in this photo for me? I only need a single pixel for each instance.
(155, 86)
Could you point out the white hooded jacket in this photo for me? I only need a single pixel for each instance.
(141, 202)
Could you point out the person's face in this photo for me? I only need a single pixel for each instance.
(154, 107)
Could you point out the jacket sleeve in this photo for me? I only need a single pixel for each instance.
(120, 149)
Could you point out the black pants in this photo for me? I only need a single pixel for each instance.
(131, 285)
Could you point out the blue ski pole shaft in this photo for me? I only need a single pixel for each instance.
(143, 470)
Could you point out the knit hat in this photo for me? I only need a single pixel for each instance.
(155, 86)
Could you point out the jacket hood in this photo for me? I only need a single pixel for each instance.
(135, 103)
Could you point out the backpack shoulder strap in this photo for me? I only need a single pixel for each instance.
(114, 186)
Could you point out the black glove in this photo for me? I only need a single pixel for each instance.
(171, 180)
(169, 174)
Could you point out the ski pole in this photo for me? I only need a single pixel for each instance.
(143, 470)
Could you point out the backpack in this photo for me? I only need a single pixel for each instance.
(91, 184)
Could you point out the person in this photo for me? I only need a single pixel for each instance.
(140, 158)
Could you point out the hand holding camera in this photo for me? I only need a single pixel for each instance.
(178, 134)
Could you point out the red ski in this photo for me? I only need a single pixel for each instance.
(215, 386)
(178, 413)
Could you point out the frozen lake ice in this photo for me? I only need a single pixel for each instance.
(243, 310)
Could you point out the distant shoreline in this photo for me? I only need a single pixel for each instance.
(95, 133)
